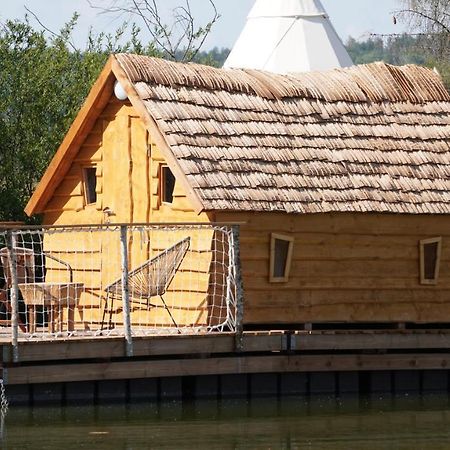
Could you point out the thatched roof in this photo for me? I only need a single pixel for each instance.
(372, 138)
(369, 138)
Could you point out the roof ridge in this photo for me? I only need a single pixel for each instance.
(374, 82)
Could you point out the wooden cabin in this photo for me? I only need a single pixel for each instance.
(341, 179)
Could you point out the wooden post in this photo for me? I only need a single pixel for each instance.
(236, 255)
(125, 291)
(11, 241)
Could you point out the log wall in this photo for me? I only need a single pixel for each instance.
(128, 167)
(346, 268)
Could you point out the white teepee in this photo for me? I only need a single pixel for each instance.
(286, 36)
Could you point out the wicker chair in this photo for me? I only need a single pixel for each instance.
(148, 280)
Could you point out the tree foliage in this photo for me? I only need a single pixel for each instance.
(429, 20)
(431, 17)
(215, 57)
(398, 50)
(44, 80)
(43, 83)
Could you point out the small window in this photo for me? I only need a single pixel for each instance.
(167, 184)
(281, 247)
(90, 185)
(430, 256)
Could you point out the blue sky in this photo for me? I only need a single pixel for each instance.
(357, 18)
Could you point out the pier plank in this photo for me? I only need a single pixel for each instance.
(304, 341)
(109, 347)
(227, 365)
(113, 347)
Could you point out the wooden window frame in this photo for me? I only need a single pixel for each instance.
(287, 270)
(423, 243)
(162, 189)
(84, 170)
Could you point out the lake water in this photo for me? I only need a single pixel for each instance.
(402, 422)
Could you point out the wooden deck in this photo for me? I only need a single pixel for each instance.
(104, 358)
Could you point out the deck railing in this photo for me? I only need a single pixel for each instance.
(119, 280)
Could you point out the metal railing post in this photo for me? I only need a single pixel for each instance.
(11, 244)
(236, 253)
(125, 290)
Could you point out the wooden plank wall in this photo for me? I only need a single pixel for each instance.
(346, 268)
(189, 292)
(128, 163)
(82, 250)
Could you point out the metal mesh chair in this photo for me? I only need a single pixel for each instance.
(148, 280)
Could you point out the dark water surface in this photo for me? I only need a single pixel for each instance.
(402, 422)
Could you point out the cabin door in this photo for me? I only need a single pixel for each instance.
(126, 191)
(126, 171)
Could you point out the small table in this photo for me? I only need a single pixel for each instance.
(55, 296)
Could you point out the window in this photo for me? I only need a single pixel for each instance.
(281, 247)
(430, 256)
(90, 185)
(167, 186)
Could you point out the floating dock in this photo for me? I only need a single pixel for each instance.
(268, 363)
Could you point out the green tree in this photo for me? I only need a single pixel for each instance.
(43, 82)
(364, 52)
(430, 20)
(398, 50)
(215, 57)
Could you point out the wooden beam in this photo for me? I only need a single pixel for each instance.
(95, 102)
(219, 366)
(107, 347)
(156, 135)
(113, 347)
(369, 341)
(103, 347)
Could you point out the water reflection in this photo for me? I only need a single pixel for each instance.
(296, 423)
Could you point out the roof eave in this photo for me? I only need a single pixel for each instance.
(97, 99)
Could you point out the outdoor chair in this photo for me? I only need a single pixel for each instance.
(53, 295)
(148, 280)
(26, 272)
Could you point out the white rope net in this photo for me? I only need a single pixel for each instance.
(73, 281)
